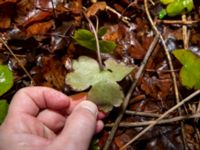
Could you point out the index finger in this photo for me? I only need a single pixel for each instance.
(31, 100)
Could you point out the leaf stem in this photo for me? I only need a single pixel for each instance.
(97, 41)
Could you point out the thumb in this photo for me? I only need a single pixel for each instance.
(79, 127)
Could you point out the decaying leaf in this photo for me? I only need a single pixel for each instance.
(3, 110)
(86, 39)
(6, 79)
(87, 73)
(92, 10)
(190, 72)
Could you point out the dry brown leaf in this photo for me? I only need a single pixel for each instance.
(31, 11)
(54, 72)
(7, 1)
(39, 28)
(92, 10)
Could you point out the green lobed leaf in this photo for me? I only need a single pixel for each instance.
(119, 70)
(3, 110)
(106, 94)
(190, 72)
(86, 39)
(84, 74)
(6, 79)
(87, 72)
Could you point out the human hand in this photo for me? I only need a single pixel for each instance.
(41, 118)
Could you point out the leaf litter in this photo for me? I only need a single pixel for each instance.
(41, 35)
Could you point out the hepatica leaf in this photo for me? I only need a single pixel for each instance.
(104, 87)
(3, 110)
(106, 94)
(84, 75)
(6, 79)
(86, 39)
(190, 72)
(119, 70)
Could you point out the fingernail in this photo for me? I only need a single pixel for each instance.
(89, 106)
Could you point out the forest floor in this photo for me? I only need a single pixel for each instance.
(158, 112)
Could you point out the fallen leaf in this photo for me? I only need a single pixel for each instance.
(92, 10)
(190, 72)
(3, 110)
(106, 94)
(39, 28)
(6, 79)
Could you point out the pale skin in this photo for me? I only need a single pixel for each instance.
(41, 118)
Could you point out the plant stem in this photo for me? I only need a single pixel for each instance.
(97, 41)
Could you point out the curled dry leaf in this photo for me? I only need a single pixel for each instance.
(39, 28)
(92, 10)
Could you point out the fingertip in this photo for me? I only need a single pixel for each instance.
(99, 126)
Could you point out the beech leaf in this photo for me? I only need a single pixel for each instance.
(6, 79)
(190, 72)
(3, 110)
(86, 39)
(106, 94)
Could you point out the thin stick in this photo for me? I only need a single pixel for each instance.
(160, 118)
(127, 98)
(54, 12)
(169, 62)
(146, 123)
(185, 34)
(187, 22)
(124, 19)
(18, 61)
(185, 41)
(145, 114)
(97, 41)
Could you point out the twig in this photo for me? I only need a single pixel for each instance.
(185, 41)
(146, 123)
(18, 61)
(160, 118)
(169, 62)
(185, 34)
(126, 101)
(186, 22)
(54, 12)
(145, 114)
(124, 19)
(97, 41)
